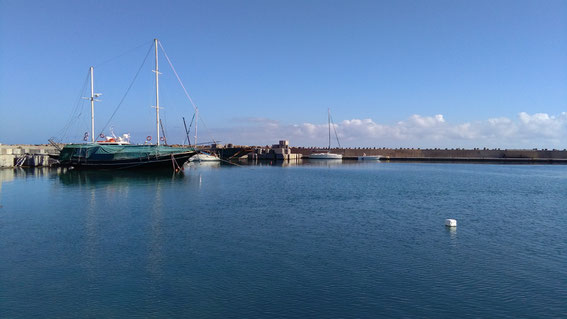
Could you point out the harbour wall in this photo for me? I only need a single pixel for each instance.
(26, 155)
(38, 155)
(478, 155)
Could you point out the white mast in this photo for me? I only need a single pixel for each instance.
(157, 92)
(92, 105)
(93, 99)
(329, 123)
(196, 122)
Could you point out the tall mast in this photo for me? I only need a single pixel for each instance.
(196, 124)
(157, 91)
(93, 99)
(329, 122)
(92, 105)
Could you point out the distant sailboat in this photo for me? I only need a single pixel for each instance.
(202, 156)
(328, 155)
(117, 152)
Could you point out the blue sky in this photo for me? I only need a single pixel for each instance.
(394, 73)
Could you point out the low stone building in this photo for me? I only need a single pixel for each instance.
(280, 151)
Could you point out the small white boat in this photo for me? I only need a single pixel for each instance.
(204, 157)
(325, 156)
(365, 157)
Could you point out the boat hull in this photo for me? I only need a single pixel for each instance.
(157, 162)
(123, 157)
(325, 156)
(204, 158)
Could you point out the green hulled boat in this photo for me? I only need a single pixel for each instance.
(108, 156)
(117, 152)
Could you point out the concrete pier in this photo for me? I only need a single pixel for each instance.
(543, 156)
(26, 155)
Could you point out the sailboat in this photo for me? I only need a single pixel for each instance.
(205, 157)
(202, 156)
(117, 152)
(327, 155)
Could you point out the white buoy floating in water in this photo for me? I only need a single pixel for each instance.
(451, 222)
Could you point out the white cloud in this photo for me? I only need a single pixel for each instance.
(539, 130)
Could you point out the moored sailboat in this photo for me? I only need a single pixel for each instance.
(118, 152)
(327, 154)
(204, 157)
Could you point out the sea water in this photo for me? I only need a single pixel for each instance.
(321, 240)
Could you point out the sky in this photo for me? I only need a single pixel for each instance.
(404, 73)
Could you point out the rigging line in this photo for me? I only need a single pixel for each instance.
(125, 94)
(229, 162)
(72, 120)
(177, 76)
(163, 132)
(183, 86)
(335, 129)
(77, 110)
(206, 128)
(122, 54)
(189, 129)
(63, 132)
(186, 133)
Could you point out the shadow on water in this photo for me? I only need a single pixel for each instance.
(103, 177)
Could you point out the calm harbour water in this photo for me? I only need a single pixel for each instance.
(359, 240)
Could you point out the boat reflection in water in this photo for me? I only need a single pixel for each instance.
(72, 177)
(271, 163)
(9, 174)
(202, 165)
(326, 163)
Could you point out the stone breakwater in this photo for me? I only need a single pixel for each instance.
(26, 155)
(471, 155)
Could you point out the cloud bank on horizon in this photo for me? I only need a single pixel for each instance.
(539, 130)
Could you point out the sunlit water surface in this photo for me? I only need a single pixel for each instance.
(320, 240)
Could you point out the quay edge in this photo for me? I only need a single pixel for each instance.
(476, 155)
(26, 155)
